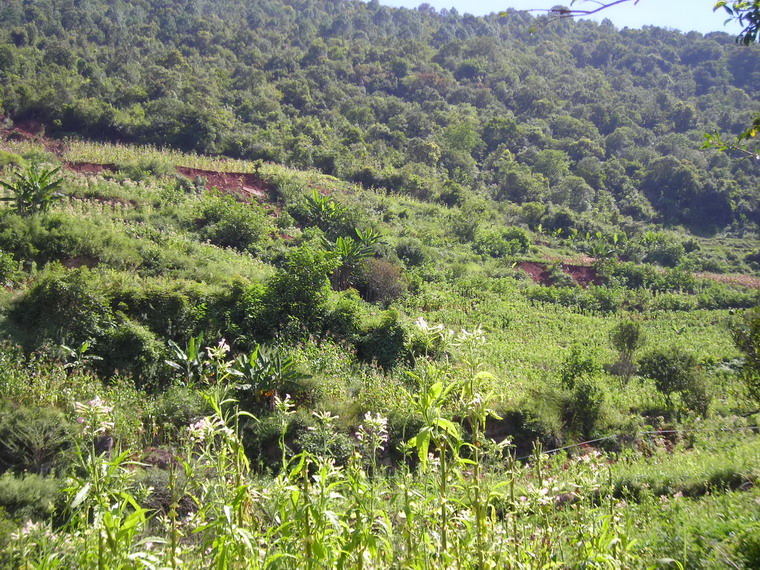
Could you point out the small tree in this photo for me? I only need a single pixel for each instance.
(745, 331)
(33, 190)
(675, 371)
(626, 337)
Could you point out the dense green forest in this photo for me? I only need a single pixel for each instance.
(330, 284)
(431, 104)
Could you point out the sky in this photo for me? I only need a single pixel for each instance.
(684, 15)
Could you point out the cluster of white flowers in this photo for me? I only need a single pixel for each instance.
(433, 330)
(373, 431)
(207, 428)
(94, 416)
(218, 352)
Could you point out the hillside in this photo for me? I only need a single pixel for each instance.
(436, 105)
(335, 285)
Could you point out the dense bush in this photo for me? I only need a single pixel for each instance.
(225, 222)
(626, 337)
(30, 496)
(131, 349)
(675, 371)
(383, 341)
(64, 306)
(33, 440)
(297, 294)
(501, 242)
(583, 407)
(381, 281)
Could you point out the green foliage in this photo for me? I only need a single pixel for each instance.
(191, 362)
(132, 349)
(67, 307)
(583, 407)
(351, 254)
(144, 168)
(501, 242)
(265, 374)
(627, 337)
(745, 332)
(381, 281)
(10, 159)
(576, 365)
(298, 292)
(174, 410)
(225, 222)
(33, 190)
(9, 269)
(29, 497)
(383, 341)
(35, 440)
(411, 252)
(674, 371)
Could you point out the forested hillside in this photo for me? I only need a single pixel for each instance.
(335, 285)
(435, 105)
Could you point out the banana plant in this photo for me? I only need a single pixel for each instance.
(264, 374)
(352, 252)
(191, 362)
(33, 190)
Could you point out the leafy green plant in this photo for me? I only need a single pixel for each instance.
(264, 374)
(29, 497)
(626, 337)
(35, 440)
(674, 371)
(745, 332)
(190, 362)
(33, 189)
(351, 253)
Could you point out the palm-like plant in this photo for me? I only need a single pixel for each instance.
(352, 253)
(264, 374)
(33, 190)
(192, 362)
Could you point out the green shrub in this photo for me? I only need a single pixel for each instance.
(9, 269)
(626, 337)
(674, 371)
(583, 407)
(501, 242)
(175, 409)
(170, 308)
(411, 252)
(381, 281)
(225, 222)
(146, 167)
(577, 364)
(30, 496)
(297, 294)
(131, 349)
(344, 315)
(383, 342)
(35, 440)
(745, 332)
(10, 159)
(749, 547)
(68, 307)
(33, 190)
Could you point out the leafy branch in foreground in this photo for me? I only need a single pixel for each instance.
(745, 12)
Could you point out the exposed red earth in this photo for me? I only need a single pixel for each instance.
(536, 271)
(249, 186)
